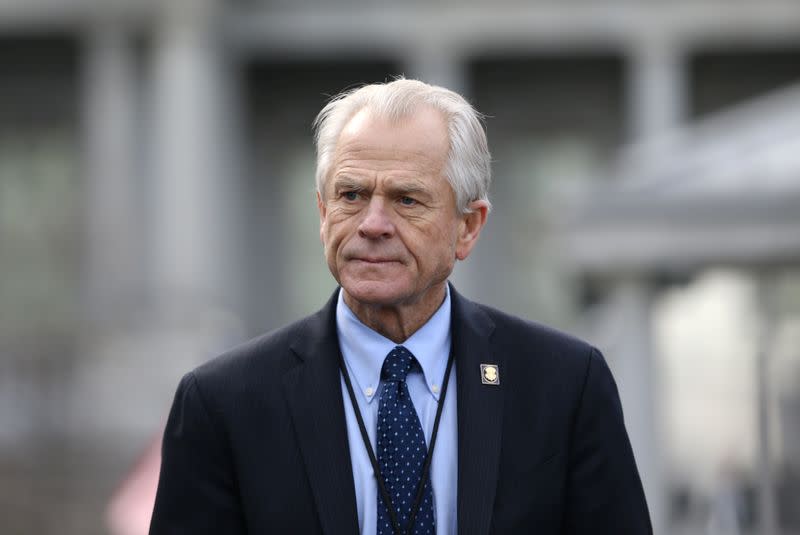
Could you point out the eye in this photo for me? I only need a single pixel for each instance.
(407, 201)
(350, 195)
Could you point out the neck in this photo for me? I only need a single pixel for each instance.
(397, 322)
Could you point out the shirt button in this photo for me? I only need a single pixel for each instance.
(435, 388)
(369, 391)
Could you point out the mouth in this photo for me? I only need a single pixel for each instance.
(373, 260)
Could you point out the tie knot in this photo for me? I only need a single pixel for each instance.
(397, 364)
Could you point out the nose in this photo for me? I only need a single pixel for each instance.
(377, 222)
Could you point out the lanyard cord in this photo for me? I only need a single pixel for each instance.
(376, 468)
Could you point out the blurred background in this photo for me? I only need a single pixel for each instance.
(157, 206)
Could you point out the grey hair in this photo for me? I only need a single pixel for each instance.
(468, 167)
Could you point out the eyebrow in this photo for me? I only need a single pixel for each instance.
(396, 187)
(346, 182)
(409, 188)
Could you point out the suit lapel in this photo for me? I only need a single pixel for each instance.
(314, 395)
(480, 411)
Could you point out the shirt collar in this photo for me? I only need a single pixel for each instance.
(364, 349)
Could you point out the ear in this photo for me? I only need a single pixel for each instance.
(470, 228)
(323, 212)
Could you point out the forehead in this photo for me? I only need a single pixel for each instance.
(421, 139)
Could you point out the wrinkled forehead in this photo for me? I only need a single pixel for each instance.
(414, 146)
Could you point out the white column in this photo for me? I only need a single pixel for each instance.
(767, 502)
(632, 359)
(113, 222)
(194, 195)
(657, 87)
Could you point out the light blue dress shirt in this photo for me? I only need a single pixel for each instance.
(364, 351)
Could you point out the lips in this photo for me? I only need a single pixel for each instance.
(370, 260)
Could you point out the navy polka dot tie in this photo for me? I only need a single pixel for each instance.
(401, 449)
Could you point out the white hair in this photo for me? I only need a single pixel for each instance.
(468, 167)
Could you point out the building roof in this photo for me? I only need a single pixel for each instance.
(725, 190)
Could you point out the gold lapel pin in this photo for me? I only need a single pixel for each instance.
(490, 374)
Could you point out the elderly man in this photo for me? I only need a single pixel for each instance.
(400, 407)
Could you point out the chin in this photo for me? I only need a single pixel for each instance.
(378, 293)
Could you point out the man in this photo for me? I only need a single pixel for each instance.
(325, 426)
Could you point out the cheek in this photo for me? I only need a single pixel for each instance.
(447, 235)
(334, 235)
(436, 248)
(326, 236)
(339, 212)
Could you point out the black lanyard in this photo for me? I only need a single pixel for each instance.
(377, 469)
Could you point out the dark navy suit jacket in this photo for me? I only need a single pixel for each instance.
(256, 439)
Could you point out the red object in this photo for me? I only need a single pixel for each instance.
(131, 506)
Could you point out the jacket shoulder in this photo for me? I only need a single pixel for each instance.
(536, 352)
(524, 332)
(253, 364)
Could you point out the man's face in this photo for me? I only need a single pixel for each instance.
(389, 222)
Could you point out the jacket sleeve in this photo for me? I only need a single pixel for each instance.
(604, 492)
(197, 491)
